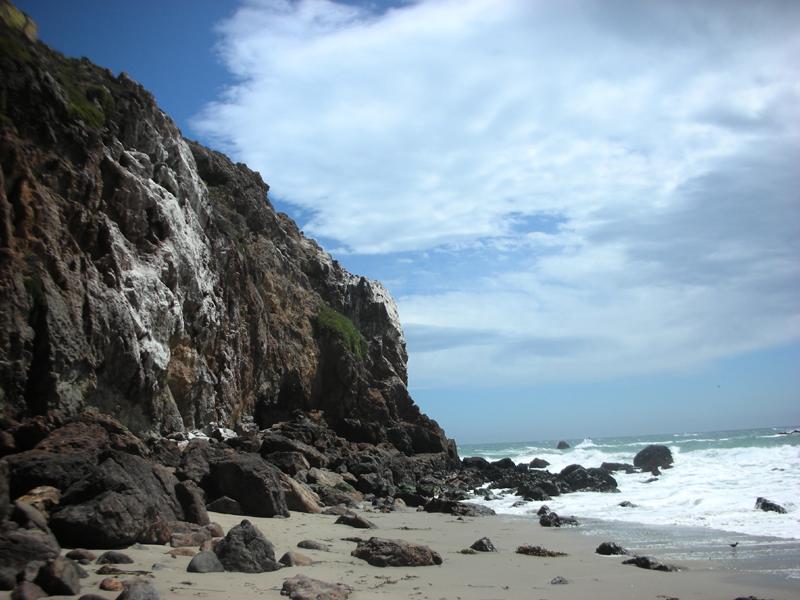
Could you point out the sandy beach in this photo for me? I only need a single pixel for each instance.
(483, 576)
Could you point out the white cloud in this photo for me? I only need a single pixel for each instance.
(662, 137)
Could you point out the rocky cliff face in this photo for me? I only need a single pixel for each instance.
(149, 277)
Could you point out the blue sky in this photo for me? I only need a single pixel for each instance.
(589, 212)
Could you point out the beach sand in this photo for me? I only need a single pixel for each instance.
(482, 576)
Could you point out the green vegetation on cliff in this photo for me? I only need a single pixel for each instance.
(335, 322)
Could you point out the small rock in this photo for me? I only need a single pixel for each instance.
(381, 552)
(627, 504)
(313, 545)
(539, 551)
(27, 590)
(552, 519)
(160, 567)
(114, 557)
(653, 456)
(484, 545)
(111, 584)
(610, 549)
(139, 589)
(295, 559)
(357, 521)
(246, 550)
(59, 577)
(81, 556)
(562, 445)
(538, 463)
(558, 580)
(205, 562)
(301, 587)
(647, 562)
(768, 505)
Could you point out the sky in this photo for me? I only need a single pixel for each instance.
(587, 211)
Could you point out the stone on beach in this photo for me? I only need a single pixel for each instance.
(252, 481)
(295, 559)
(610, 549)
(382, 552)
(205, 562)
(483, 545)
(246, 550)
(357, 521)
(647, 562)
(301, 587)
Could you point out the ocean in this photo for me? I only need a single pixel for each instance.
(694, 510)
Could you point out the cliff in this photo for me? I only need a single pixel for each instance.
(150, 278)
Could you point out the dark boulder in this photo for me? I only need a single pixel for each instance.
(27, 590)
(357, 521)
(205, 562)
(381, 552)
(562, 445)
(613, 467)
(503, 463)
(196, 459)
(483, 545)
(21, 546)
(652, 457)
(537, 494)
(461, 509)
(124, 499)
(275, 442)
(301, 587)
(246, 550)
(475, 462)
(191, 500)
(33, 468)
(538, 463)
(139, 589)
(331, 496)
(289, 462)
(610, 549)
(225, 505)
(646, 562)
(552, 519)
(59, 577)
(768, 505)
(251, 480)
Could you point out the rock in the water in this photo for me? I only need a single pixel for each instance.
(59, 577)
(768, 505)
(301, 587)
(246, 550)
(205, 562)
(653, 456)
(313, 545)
(543, 510)
(382, 552)
(552, 519)
(357, 521)
(475, 462)
(191, 498)
(610, 549)
(225, 505)
(295, 559)
(539, 551)
(647, 562)
(595, 480)
(483, 545)
(538, 463)
(627, 504)
(114, 557)
(139, 589)
(613, 467)
(562, 445)
(251, 480)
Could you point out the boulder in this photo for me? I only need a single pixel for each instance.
(301, 587)
(295, 559)
(139, 589)
(591, 480)
(462, 509)
(357, 521)
(610, 549)
(251, 480)
(652, 457)
(299, 497)
(111, 584)
(768, 505)
(483, 545)
(33, 468)
(537, 494)
(205, 562)
(647, 562)
(331, 496)
(225, 505)
(27, 590)
(503, 463)
(192, 502)
(324, 477)
(552, 519)
(381, 552)
(20, 546)
(289, 462)
(275, 442)
(613, 467)
(59, 577)
(477, 463)
(538, 463)
(123, 500)
(562, 445)
(246, 550)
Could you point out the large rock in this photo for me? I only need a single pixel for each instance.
(562, 445)
(381, 552)
(123, 500)
(60, 576)
(483, 545)
(252, 481)
(652, 457)
(461, 509)
(190, 497)
(33, 468)
(246, 550)
(593, 480)
(300, 497)
(20, 546)
(357, 521)
(610, 549)
(205, 562)
(301, 587)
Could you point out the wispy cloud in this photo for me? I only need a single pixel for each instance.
(615, 184)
